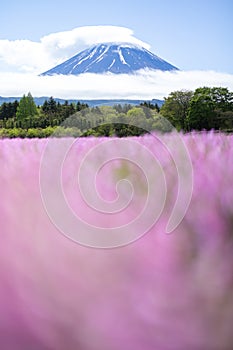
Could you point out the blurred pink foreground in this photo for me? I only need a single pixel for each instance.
(162, 292)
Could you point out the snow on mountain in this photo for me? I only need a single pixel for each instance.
(116, 58)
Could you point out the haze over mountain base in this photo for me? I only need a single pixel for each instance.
(146, 84)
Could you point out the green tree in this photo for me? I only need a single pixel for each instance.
(26, 108)
(175, 108)
(150, 105)
(4, 113)
(137, 117)
(208, 108)
(50, 107)
(8, 110)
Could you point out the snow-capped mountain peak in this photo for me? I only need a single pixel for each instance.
(114, 57)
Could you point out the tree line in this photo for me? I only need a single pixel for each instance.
(25, 114)
(75, 119)
(205, 108)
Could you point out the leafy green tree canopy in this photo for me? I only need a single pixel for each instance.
(26, 108)
(207, 107)
(175, 108)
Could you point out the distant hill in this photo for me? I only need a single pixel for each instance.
(91, 103)
(117, 58)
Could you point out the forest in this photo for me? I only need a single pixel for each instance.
(203, 109)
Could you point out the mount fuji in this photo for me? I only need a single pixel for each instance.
(117, 58)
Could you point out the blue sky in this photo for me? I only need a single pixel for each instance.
(195, 36)
(189, 34)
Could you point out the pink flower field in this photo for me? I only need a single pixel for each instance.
(150, 290)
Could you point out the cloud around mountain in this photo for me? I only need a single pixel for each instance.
(35, 57)
(22, 60)
(143, 85)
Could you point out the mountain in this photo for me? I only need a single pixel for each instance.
(91, 103)
(116, 58)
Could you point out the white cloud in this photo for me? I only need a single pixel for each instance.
(144, 85)
(52, 49)
(22, 55)
(22, 60)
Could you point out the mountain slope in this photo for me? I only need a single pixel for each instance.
(116, 58)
